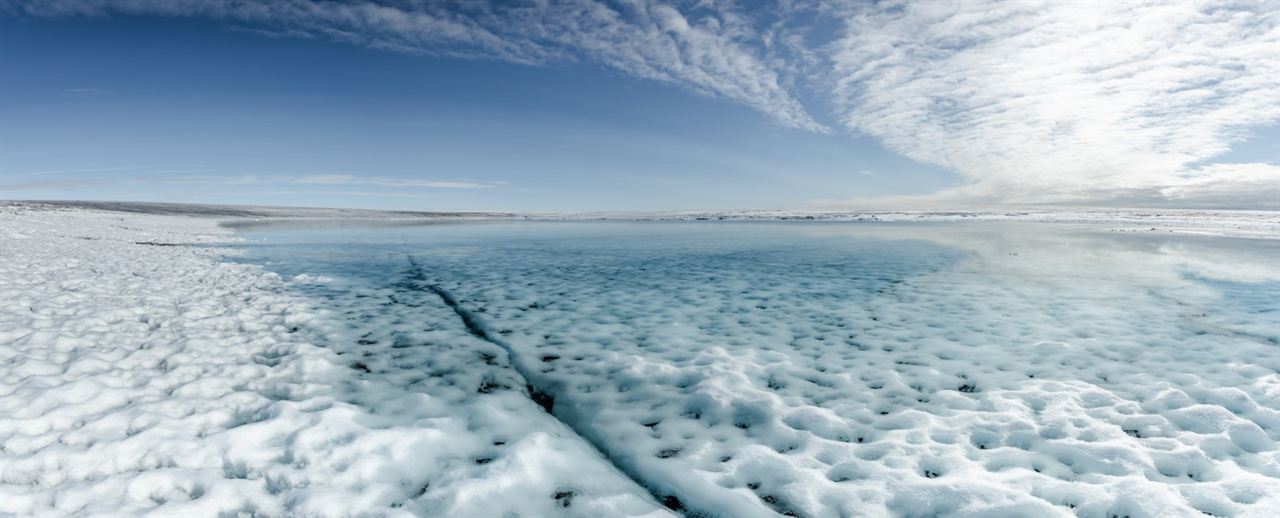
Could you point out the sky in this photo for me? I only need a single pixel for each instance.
(642, 105)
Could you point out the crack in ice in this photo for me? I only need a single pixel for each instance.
(538, 394)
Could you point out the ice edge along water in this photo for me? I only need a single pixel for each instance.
(154, 379)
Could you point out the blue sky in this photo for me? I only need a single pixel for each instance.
(199, 102)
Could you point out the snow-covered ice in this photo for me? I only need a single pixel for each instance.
(143, 375)
(722, 369)
(877, 370)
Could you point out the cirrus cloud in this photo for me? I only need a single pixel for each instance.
(1050, 102)
(706, 48)
(1033, 102)
(320, 179)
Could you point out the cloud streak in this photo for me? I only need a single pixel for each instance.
(1031, 102)
(1064, 101)
(48, 185)
(211, 179)
(708, 48)
(321, 179)
(344, 179)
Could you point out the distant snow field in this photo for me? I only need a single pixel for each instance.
(1236, 223)
(150, 364)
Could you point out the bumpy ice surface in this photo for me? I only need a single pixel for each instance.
(726, 370)
(140, 375)
(862, 370)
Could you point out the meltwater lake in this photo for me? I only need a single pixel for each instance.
(829, 369)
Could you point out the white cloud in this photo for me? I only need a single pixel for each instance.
(706, 48)
(296, 192)
(68, 171)
(321, 179)
(49, 185)
(199, 180)
(1251, 185)
(83, 93)
(1031, 102)
(343, 179)
(1064, 101)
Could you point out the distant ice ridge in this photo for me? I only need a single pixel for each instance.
(1237, 223)
(141, 375)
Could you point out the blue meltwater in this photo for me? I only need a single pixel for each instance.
(823, 369)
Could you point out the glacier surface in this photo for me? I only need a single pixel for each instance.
(144, 376)
(154, 365)
(826, 369)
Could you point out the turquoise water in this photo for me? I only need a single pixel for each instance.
(798, 368)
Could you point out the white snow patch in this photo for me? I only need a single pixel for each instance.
(143, 376)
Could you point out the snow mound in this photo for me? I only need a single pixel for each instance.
(142, 375)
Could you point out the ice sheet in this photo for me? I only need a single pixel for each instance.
(881, 370)
(143, 376)
(722, 369)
